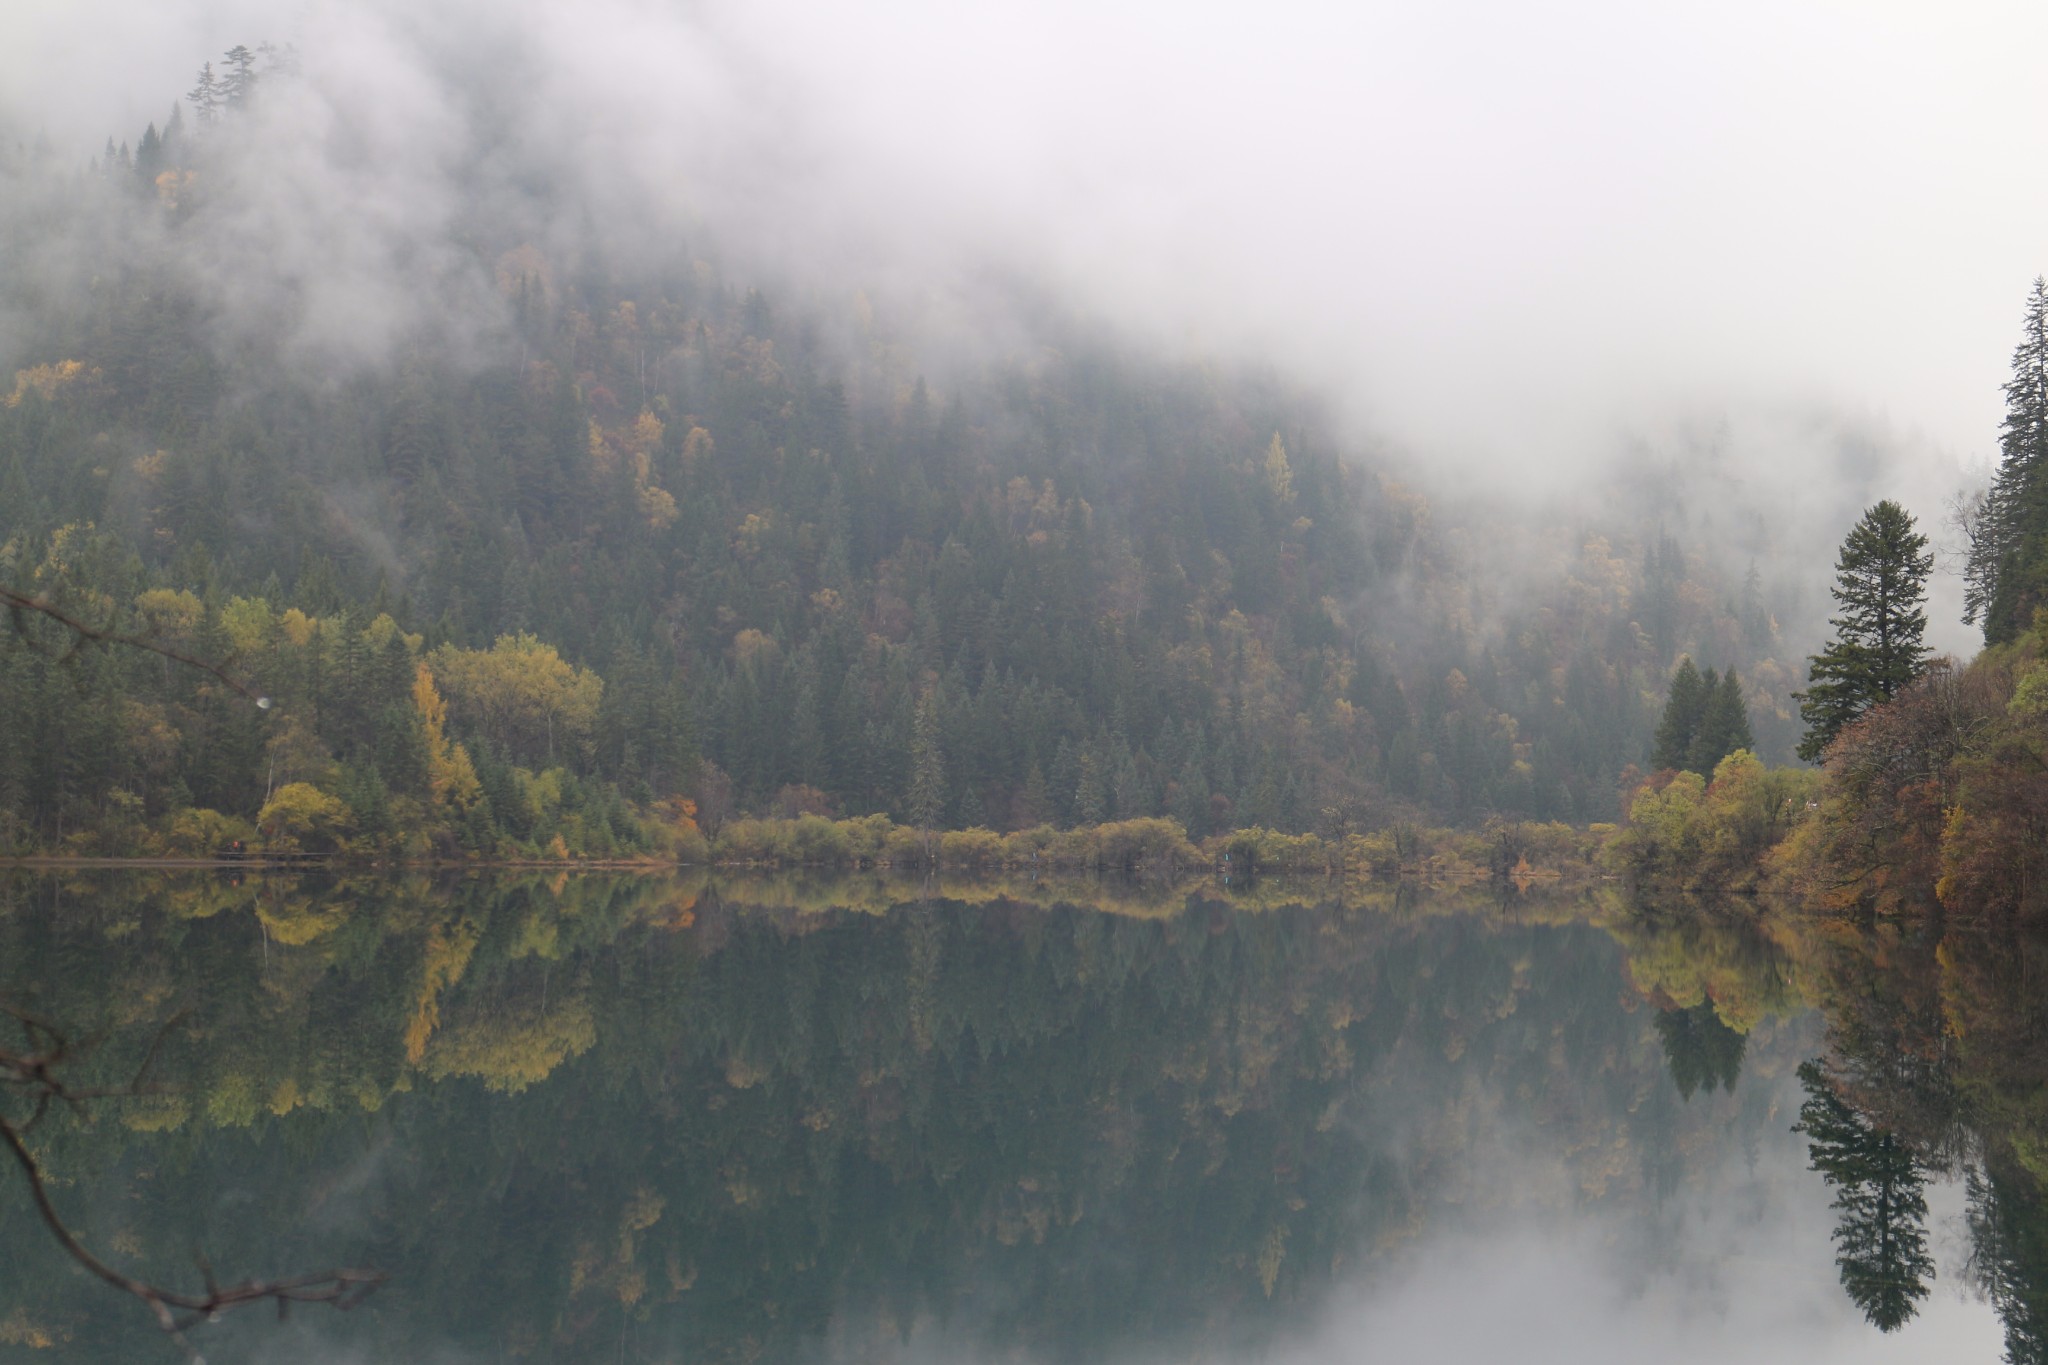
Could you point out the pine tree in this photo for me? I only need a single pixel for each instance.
(149, 157)
(2009, 1251)
(239, 84)
(927, 795)
(1702, 1051)
(1684, 708)
(1757, 626)
(1723, 727)
(1881, 585)
(1881, 1232)
(205, 97)
(2006, 576)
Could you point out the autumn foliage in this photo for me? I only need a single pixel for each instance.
(1939, 797)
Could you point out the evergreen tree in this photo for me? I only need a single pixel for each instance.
(1881, 1235)
(205, 97)
(2006, 575)
(927, 796)
(1880, 585)
(1702, 1051)
(1685, 707)
(1751, 611)
(239, 84)
(2009, 1236)
(1723, 727)
(149, 157)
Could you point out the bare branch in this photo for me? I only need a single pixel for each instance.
(36, 1071)
(20, 604)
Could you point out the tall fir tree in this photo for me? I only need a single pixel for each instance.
(2009, 1248)
(1685, 706)
(238, 85)
(1881, 1228)
(1701, 1050)
(1879, 644)
(205, 97)
(1723, 726)
(927, 794)
(2006, 575)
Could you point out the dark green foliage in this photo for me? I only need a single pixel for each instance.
(927, 794)
(1724, 725)
(1125, 588)
(1051, 1134)
(2009, 1234)
(1685, 706)
(2006, 576)
(1880, 586)
(1702, 1051)
(1881, 1228)
(1705, 720)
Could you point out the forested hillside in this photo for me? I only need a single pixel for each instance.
(633, 530)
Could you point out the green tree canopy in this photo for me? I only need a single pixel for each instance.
(2006, 577)
(1723, 727)
(1702, 1051)
(521, 693)
(1705, 720)
(1684, 707)
(1881, 586)
(1881, 1235)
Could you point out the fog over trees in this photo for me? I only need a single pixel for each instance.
(626, 442)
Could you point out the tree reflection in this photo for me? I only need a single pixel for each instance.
(2009, 1230)
(1881, 1235)
(1702, 1051)
(743, 1118)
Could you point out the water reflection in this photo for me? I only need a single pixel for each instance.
(648, 1119)
(1880, 1200)
(1703, 1052)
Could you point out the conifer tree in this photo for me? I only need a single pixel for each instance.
(2009, 1252)
(239, 84)
(1684, 708)
(1755, 616)
(1881, 586)
(927, 796)
(149, 156)
(205, 97)
(1881, 1235)
(1701, 1050)
(2006, 574)
(1723, 727)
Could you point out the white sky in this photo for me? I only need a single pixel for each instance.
(1497, 231)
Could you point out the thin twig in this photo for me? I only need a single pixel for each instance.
(19, 603)
(175, 1312)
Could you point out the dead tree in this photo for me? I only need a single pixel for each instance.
(35, 1075)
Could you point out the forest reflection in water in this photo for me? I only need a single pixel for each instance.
(614, 1117)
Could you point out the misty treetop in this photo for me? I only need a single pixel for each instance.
(2006, 577)
(1061, 583)
(1879, 645)
(1705, 719)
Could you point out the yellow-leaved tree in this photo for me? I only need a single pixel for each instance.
(450, 774)
(301, 818)
(1279, 473)
(521, 694)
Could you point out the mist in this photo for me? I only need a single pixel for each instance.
(1524, 249)
(1499, 238)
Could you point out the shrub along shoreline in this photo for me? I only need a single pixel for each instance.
(1149, 847)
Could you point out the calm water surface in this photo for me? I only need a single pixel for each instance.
(637, 1119)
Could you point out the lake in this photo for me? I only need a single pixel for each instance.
(595, 1117)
